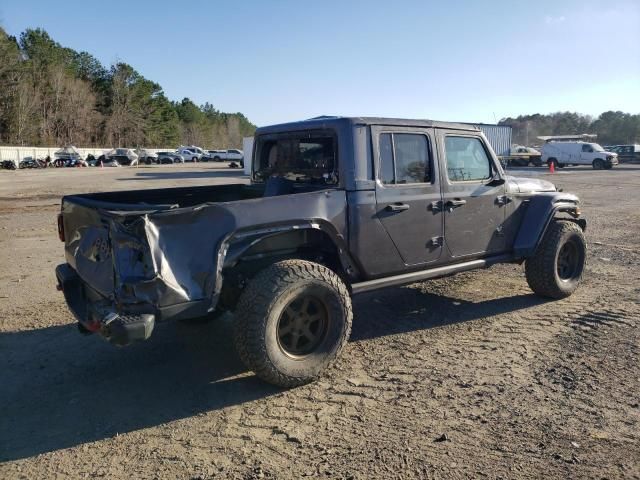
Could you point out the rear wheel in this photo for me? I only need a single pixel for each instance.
(556, 268)
(292, 321)
(216, 159)
(598, 164)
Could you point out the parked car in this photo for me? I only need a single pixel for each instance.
(336, 207)
(103, 161)
(627, 153)
(67, 157)
(8, 165)
(562, 154)
(207, 156)
(32, 162)
(217, 155)
(227, 155)
(191, 154)
(521, 156)
(124, 156)
(169, 157)
(147, 157)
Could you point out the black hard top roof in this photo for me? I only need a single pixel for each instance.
(327, 121)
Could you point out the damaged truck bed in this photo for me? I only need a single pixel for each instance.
(336, 206)
(161, 252)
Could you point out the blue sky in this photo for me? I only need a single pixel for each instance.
(278, 61)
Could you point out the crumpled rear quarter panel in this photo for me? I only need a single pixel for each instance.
(170, 257)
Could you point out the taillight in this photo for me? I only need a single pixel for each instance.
(60, 228)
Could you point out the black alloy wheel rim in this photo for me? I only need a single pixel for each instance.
(302, 326)
(568, 257)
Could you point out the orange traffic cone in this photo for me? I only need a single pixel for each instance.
(552, 167)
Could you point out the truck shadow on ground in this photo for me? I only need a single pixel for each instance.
(60, 389)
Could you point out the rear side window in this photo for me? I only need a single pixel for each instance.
(466, 159)
(404, 158)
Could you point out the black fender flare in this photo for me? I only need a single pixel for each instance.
(239, 242)
(542, 208)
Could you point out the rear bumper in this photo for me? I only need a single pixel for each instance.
(96, 314)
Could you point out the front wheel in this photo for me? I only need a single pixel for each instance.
(292, 321)
(556, 268)
(598, 164)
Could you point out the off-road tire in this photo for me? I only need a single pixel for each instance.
(542, 268)
(258, 316)
(598, 164)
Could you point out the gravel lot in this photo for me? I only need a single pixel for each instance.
(470, 376)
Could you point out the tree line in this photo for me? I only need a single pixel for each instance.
(51, 95)
(612, 128)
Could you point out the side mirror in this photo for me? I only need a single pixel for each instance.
(495, 181)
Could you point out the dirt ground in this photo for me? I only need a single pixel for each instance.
(470, 376)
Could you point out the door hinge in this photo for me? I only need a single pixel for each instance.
(503, 200)
(436, 206)
(437, 241)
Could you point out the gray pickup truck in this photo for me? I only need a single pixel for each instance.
(336, 206)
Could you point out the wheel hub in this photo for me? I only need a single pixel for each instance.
(567, 261)
(302, 326)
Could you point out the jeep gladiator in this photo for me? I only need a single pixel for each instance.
(336, 206)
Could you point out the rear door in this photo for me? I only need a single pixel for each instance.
(474, 204)
(408, 192)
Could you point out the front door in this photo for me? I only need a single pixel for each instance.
(408, 192)
(474, 204)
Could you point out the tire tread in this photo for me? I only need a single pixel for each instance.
(258, 298)
(540, 269)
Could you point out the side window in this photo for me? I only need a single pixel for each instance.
(386, 159)
(404, 158)
(587, 148)
(412, 158)
(466, 159)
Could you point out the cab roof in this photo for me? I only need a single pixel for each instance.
(336, 121)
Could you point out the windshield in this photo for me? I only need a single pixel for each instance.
(305, 157)
(596, 147)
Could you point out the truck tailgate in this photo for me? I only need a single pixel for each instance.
(87, 247)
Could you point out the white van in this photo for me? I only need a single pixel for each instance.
(578, 153)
